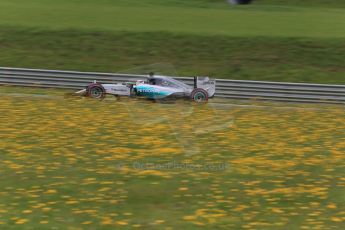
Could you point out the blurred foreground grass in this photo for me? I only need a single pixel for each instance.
(79, 163)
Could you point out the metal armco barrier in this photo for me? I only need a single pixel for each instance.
(235, 89)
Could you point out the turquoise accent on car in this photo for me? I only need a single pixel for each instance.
(151, 92)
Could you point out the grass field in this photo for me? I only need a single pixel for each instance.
(86, 164)
(301, 41)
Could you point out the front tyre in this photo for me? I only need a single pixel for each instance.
(96, 92)
(199, 95)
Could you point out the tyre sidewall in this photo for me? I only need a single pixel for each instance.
(93, 86)
(199, 90)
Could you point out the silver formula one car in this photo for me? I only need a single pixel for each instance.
(155, 87)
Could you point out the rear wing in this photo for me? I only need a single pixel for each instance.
(206, 84)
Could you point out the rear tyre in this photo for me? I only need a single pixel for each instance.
(96, 92)
(199, 95)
